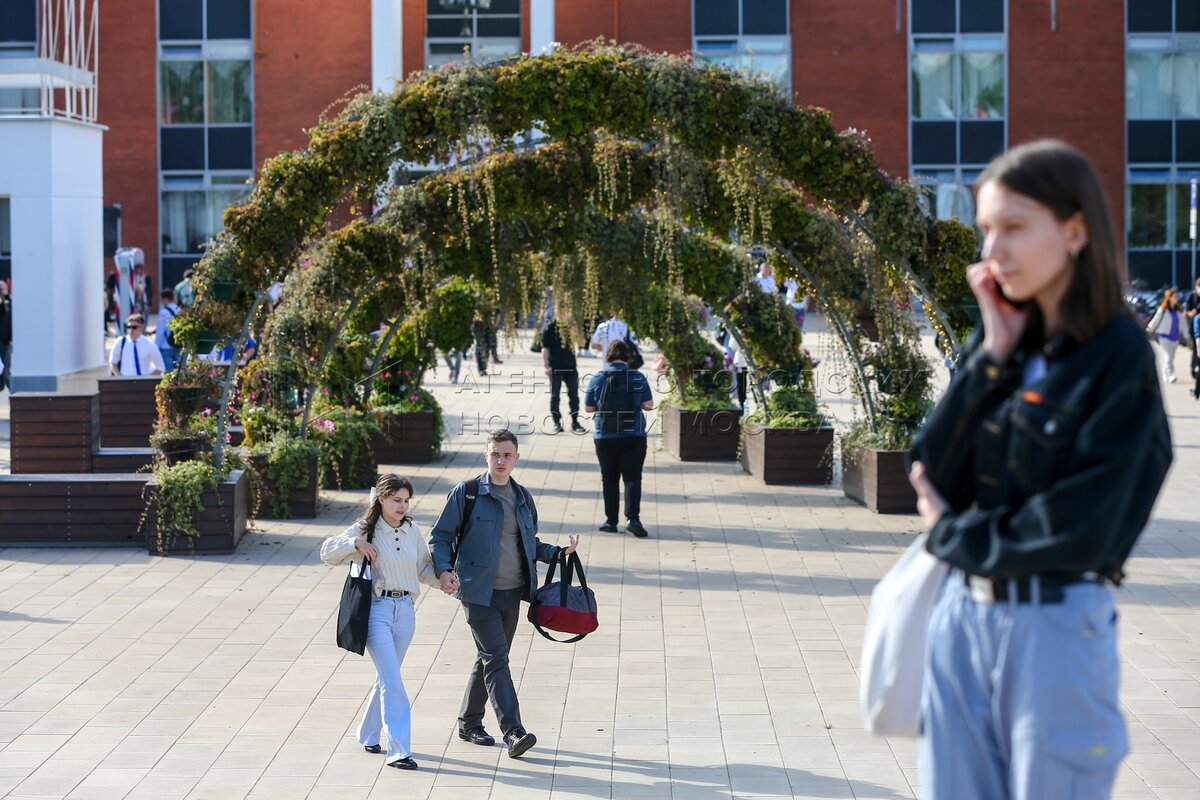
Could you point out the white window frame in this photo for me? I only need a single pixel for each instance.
(744, 45)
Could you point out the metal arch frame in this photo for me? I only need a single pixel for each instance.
(866, 396)
(927, 300)
(239, 347)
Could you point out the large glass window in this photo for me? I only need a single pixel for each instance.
(229, 92)
(1158, 203)
(206, 110)
(181, 86)
(193, 210)
(1146, 225)
(958, 102)
(747, 35)
(5, 228)
(483, 34)
(1162, 78)
(958, 78)
(185, 223)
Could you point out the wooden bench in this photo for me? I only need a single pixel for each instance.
(122, 459)
(127, 411)
(71, 509)
(53, 432)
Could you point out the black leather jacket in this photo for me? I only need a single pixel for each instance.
(1057, 478)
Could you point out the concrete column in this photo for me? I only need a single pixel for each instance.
(387, 44)
(51, 169)
(541, 25)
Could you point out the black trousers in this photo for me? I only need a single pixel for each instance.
(621, 458)
(569, 377)
(493, 627)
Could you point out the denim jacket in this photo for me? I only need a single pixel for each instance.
(479, 550)
(1055, 478)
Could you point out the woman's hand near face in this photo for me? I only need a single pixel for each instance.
(366, 548)
(1003, 323)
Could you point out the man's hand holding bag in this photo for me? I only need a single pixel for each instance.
(561, 607)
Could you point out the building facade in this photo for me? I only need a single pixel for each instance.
(197, 93)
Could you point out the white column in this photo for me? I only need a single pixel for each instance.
(52, 172)
(387, 44)
(541, 25)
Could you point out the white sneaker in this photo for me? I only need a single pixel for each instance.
(1170, 379)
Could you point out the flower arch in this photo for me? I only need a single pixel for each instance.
(650, 180)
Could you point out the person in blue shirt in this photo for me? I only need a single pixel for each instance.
(1196, 352)
(618, 397)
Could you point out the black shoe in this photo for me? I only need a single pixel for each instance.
(518, 742)
(373, 748)
(609, 527)
(476, 735)
(635, 527)
(403, 763)
(577, 428)
(557, 428)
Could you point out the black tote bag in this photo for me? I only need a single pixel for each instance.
(355, 610)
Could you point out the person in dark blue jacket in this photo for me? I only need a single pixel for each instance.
(1035, 475)
(619, 396)
(485, 547)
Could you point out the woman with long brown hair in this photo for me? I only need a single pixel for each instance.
(1167, 328)
(389, 541)
(1035, 475)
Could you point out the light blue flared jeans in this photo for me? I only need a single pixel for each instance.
(387, 720)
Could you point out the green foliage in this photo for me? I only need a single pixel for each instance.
(285, 465)
(450, 314)
(655, 162)
(178, 500)
(790, 407)
(347, 457)
(346, 368)
(859, 437)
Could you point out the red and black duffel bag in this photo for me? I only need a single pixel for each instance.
(562, 607)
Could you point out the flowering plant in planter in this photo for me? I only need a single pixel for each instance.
(416, 400)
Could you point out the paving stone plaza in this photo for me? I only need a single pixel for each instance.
(724, 667)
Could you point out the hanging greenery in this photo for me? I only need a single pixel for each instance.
(653, 163)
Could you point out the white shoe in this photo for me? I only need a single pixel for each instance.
(1170, 379)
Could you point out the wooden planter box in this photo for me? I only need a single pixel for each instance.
(880, 482)
(127, 411)
(46, 509)
(701, 435)
(404, 438)
(221, 524)
(53, 432)
(788, 456)
(302, 502)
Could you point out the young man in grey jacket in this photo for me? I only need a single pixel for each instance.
(488, 554)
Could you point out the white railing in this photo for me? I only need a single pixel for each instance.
(62, 75)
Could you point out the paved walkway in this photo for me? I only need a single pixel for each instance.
(724, 666)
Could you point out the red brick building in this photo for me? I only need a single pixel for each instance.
(197, 93)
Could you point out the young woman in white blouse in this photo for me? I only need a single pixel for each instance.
(400, 562)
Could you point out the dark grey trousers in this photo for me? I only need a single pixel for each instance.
(493, 627)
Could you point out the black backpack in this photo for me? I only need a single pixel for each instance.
(617, 404)
(170, 333)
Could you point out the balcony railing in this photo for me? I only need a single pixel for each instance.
(55, 76)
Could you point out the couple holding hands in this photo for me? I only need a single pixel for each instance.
(482, 550)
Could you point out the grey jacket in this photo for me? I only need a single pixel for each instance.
(479, 549)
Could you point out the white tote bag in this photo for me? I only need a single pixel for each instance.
(893, 653)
